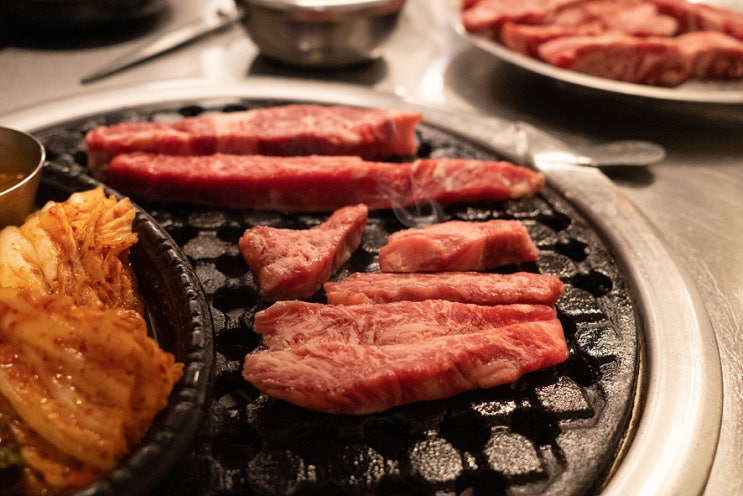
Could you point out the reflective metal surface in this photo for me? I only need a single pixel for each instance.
(220, 16)
(22, 157)
(691, 200)
(321, 34)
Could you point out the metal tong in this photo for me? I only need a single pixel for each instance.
(219, 16)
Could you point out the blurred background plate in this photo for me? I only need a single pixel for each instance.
(693, 91)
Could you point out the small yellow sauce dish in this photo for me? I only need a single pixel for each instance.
(21, 160)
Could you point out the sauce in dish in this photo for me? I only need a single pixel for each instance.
(9, 179)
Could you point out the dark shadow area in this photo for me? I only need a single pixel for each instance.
(56, 30)
(365, 73)
(629, 175)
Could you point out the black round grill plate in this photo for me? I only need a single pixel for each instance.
(558, 431)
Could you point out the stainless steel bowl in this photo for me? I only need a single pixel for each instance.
(321, 33)
(21, 160)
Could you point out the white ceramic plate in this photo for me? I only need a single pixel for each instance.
(698, 91)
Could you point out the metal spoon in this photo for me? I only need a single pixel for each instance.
(520, 142)
(624, 153)
(546, 150)
(621, 153)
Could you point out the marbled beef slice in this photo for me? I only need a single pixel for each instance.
(314, 183)
(287, 324)
(356, 379)
(458, 246)
(480, 288)
(301, 129)
(289, 263)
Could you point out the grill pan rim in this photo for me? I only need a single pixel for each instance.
(658, 459)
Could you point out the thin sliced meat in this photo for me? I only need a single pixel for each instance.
(488, 16)
(641, 20)
(288, 324)
(458, 246)
(712, 55)
(651, 60)
(374, 134)
(632, 17)
(526, 38)
(289, 184)
(466, 287)
(358, 379)
(590, 18)
(290, 263)
(451, 180)
(314, 183)
(695, 16)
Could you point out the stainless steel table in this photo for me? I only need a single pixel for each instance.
(694, 197)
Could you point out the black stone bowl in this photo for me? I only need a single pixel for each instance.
(179, 318)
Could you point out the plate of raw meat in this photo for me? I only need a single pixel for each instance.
(663, 49)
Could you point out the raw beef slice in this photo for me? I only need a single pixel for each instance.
(314, 183)
(374, 134)
(288, 324)
(651, 60)
(458, 246)
(356, 379)
(712, 55)
(466, 287)
(701, 16)
(290, 263)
